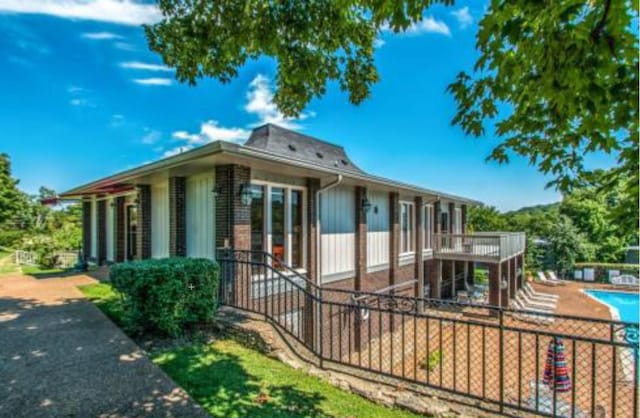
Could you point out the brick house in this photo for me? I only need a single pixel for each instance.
(304, 201)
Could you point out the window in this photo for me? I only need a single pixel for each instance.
(277, 223)
(296, 229)
(132, 232)
(406, 227)
(444, 222)
(428, 226)
(457, 221)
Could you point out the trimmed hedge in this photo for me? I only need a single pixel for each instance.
(164, 296)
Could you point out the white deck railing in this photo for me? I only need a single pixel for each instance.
(481, 245)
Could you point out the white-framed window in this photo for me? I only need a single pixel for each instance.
(278, 221)
(428, 226)
(457, 221)
(406, 227)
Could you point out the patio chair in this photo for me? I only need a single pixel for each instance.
(543, 279)
(625, 280)
(552, 276)
(530, 316)
(462, 297)
(473, 291)
(540, 295)
(536, 303)
(533, 306)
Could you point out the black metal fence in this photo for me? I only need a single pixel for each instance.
(508, 360)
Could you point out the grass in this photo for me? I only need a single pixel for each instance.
(38, 271)
(230, 380)
(107, 299)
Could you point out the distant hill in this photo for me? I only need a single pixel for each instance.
(535, 209)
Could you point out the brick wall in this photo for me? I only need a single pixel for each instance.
(177, 217)
(102, 231)
(86, 229)
(144, 222)
(361, 238)
(232, 217)
(419, 240)
(119, 235)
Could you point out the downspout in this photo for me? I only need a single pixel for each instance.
(321, 190)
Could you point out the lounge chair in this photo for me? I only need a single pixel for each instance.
(552, 276)
(530, 316)
(546, 281)
(540, 295)
(537, 303)
(625, 280)
(533, 306)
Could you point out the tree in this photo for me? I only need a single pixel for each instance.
(12, 200)
(565, 246)
(485, 218)
(558, 80)
(313, 42)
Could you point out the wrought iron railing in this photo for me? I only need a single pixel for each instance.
(492, 356)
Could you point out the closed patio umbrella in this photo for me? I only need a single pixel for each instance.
(556, 374)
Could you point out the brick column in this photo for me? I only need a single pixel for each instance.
(511, 274)
(432, 271)
(494, 284)
(102, 232)
(463, 213)
(177, 217)
(361, 238)
(119, 235)
(437, 212)
(313, 185)
(86, 229)
(394, 238)
(419, 244)
(522, 273)
(143, 250)
(232, 217)
(452, 214)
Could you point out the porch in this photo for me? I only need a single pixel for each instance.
(490, 247)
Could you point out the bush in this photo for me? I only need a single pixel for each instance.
(165, 296)
(432, 361)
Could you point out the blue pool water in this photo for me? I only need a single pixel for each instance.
(627, 304)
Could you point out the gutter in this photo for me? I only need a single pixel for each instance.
(321, 190)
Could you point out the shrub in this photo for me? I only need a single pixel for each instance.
(165, 296)
(432, 362)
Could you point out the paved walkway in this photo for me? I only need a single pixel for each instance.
(61, 357)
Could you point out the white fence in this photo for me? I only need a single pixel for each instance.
(64, 259)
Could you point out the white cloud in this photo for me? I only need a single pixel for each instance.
(137, 65)
(378, 43)
(124, 12)
(124, 46)
(212, 131)
(79, 97)
(463, 16)
(101, 36)
(260, 103)
(151, 136)
(116, 120)
(153, 81)
(429, 25)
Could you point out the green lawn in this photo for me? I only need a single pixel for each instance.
(40, 272)
(229, 380)
(108, 300)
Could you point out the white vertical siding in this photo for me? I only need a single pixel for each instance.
(200, 217)
(94, 228)
(110, 229)
(337, 227)
(378, 229)
(160, 220)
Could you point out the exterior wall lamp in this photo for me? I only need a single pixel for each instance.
(216, 191)
(504, 284)
(245, 194)
(366, 205)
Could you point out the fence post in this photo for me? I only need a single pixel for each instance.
(501, 354)
(320, 325)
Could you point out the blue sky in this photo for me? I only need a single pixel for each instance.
(82, 97)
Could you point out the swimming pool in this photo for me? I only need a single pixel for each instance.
(624, 305)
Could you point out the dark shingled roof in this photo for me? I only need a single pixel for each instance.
(287, 143)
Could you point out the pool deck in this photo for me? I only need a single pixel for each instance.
(574, 302)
